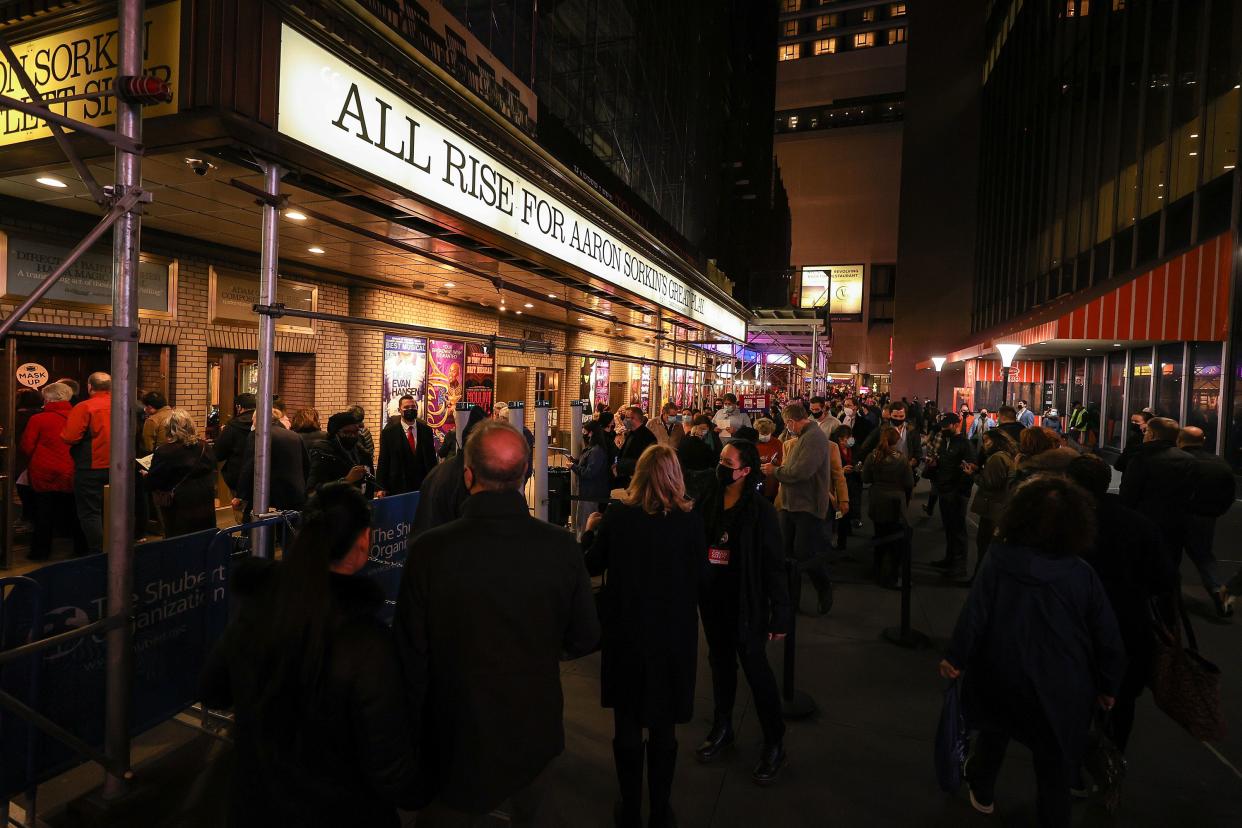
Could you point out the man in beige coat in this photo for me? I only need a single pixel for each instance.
(812, 489)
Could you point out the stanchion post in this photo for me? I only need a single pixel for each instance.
(539, 459)
(461, 416)
(905, 635)
(795, 704)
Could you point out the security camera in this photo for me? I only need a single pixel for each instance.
(199, 166)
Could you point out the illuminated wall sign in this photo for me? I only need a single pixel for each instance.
(843, 284)
(327, 104)
(84, 60)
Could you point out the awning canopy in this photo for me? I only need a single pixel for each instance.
(1186, 298)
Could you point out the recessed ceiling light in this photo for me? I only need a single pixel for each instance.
(551, 295)
(295, 215)
(1116, 344)
(503, 309)
(49, 181)
(449, 285)
(1088, 349)
(519, 313)
(528, 305)
(316, 249)
(1194, 153)
(581, 318)
(1194, 135)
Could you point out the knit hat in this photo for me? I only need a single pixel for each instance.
(339, 420)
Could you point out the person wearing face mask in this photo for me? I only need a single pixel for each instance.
(635, 442)
(771, 451)
(1025, 415)
(591, 467)
(822, 417)
(697, 455)
(730, 418)
(673, 424)
(1135, 433)
(340, 457)
(844, 438)
(407, 451)
(908, 443)
(744, 603)
(807, 486)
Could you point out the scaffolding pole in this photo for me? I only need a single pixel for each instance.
(268, 264)
(126, 243)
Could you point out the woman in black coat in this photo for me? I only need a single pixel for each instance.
(744, 602)
(183, 475)
(322, 731)
(1038, 643)
(650, 548)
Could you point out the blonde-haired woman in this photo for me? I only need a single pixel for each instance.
(182, 479)
(650, 546)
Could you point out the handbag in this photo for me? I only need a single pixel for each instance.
(165, 500)
(1105, 762)
(1184, 684)
(951, 740)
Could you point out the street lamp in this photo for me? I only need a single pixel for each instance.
(1006, 352)
(939, 363)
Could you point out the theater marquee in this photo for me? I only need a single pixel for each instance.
(84, 60)
(331, 106)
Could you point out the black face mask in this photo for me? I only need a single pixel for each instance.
(409, 414)
(724, 475)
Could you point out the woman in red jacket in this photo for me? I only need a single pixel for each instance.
(51, 473)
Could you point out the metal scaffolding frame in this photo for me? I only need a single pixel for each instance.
(122, 200)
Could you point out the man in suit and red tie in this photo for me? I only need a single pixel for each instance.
(407, 451)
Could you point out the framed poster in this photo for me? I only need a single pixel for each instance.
(445, 367)
(405, 370)
(25, 263)
(480, 376)
(231, 297)
(600, 371)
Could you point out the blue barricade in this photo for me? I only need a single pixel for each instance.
(180, 610)
(392, 518)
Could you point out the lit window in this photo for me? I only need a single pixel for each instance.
(864, 40)
(788, 52)
(897, 10)
(793, 119)
(826, 46)
(869, 15)
(791, 5)
(791, 28)
(1080, 8)
(896, 35)
(825, 21)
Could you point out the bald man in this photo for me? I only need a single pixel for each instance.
(1213, 496)
(489, 605)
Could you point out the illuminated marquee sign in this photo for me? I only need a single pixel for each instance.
(331, 106)
(841, 286)
(84, 60)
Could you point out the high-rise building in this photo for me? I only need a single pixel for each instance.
(840, 102)
(663, 107)
(1107, 213)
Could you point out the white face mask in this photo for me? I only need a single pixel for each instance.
(763, 438)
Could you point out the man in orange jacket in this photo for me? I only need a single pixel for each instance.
(89, 432)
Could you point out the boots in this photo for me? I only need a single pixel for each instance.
(629, 762)
(661, 763)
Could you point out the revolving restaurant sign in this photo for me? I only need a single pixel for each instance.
(83, 60)
(329, 105)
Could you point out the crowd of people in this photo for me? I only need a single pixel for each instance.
(689, 517)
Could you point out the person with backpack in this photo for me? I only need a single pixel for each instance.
(1214, 492)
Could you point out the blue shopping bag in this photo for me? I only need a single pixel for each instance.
(951, 741)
